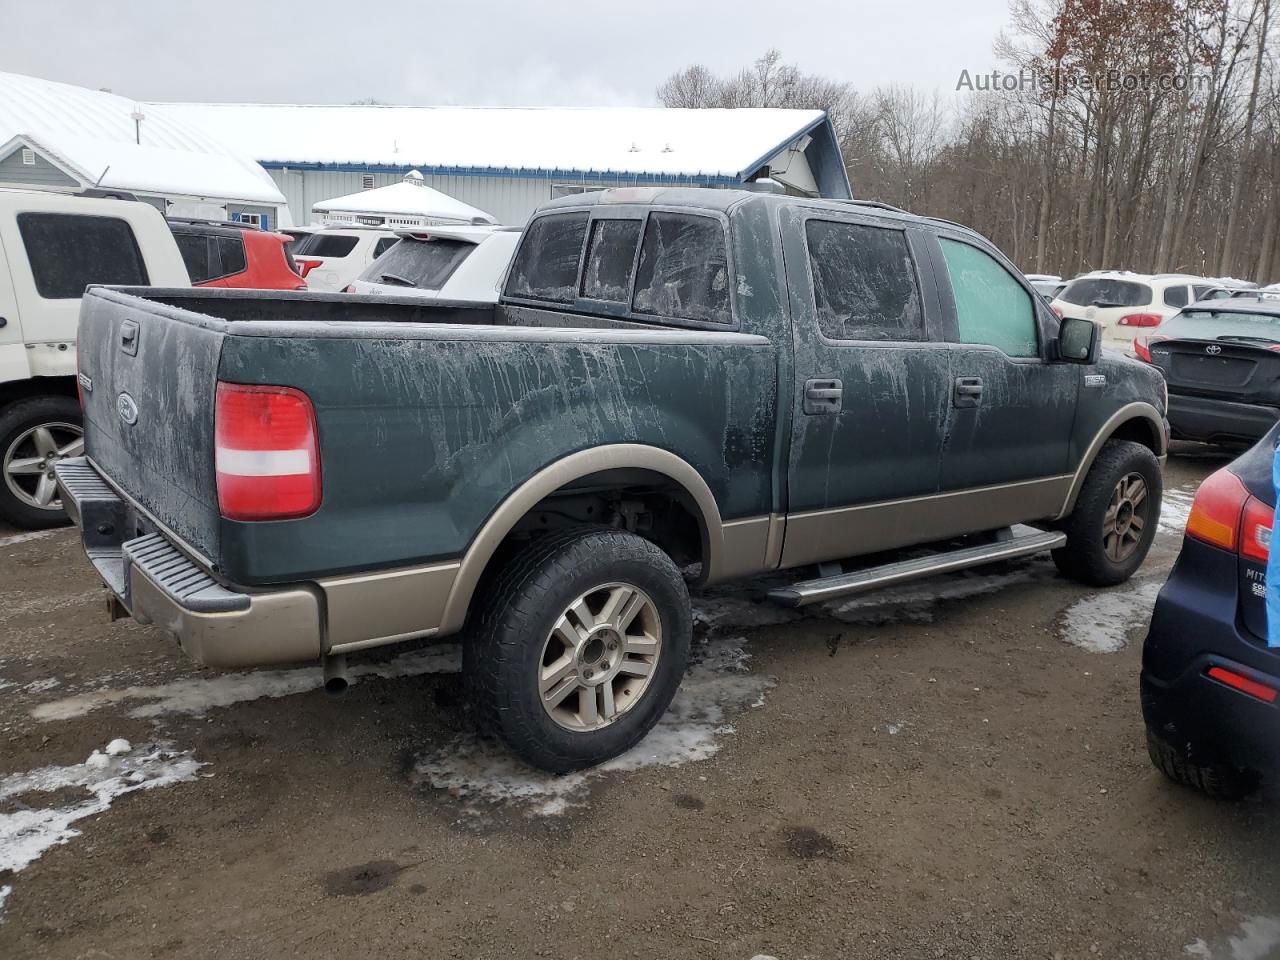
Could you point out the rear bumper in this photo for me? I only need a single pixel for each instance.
(158, 583)
(1207, 419)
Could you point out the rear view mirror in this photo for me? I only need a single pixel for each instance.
(1078, 340)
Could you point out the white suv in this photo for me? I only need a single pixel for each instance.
(331, 257)
(53, 245)
(443, 263)
(1125, 303)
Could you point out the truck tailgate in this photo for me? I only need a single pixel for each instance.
(148, 383)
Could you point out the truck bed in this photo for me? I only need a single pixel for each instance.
(429, 414)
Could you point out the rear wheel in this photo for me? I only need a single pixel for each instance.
(582, 639)
(1216, 780)
(1115, 517)
(34, 435)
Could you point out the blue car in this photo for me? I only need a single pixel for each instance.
(1210, 681)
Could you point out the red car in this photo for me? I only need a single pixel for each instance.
(219, 254)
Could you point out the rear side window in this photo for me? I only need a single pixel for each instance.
(546, 266)
(324, 245)
(232, 252)
(68, 252)
(864, 282)
(991, 306)
(611, 254)
(423, 264)
(1106, 292)
(1175, 296)
(194, 248)
(684, 270)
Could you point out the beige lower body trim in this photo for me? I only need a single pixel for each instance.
(747, 546)
(821, 535)
(372, 609)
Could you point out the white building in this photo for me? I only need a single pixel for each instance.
(54, 136)
(409, 203)
(507, 161)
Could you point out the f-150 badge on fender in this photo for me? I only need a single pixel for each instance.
(1095, 380)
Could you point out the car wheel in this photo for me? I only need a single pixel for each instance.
(34, 435)
(1115, 517)
(581, 641)
(1216, 780)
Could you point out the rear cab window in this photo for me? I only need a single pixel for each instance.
(683, 273)
(546, 265)
(864, 282)
(424, 264)
(67, 252)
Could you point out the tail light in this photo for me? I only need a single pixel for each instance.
(1225, 515)
(349, 288)
(266, 452)
(306, 266)
(1239, 681)
(1142, 346)
(1140, 320)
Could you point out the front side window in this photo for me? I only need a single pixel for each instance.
(546, 265)
(991, 306)
(684, 269)
(67, 252)
(864, 282)
(611, 254)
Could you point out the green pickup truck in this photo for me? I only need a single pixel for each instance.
(676, 386)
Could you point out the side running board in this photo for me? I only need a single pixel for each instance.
(844, 584)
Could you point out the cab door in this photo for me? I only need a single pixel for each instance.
(1011, 407)
(871, 382)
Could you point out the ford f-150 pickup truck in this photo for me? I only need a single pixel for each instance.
(676, 386)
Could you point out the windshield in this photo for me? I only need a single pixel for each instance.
(424, 264)
(1222, 325)
(1106, 292)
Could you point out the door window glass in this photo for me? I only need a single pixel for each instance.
(864, 282)
(991, 306)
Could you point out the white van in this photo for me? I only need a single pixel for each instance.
(51, 247)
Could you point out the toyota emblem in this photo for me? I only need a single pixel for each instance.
(1213, 349)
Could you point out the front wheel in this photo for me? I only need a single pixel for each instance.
(1115, 517)
(34, 435)
(582, 639)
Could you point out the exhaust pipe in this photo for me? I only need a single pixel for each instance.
(335, 676)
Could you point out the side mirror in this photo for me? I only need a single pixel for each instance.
(1079, 341)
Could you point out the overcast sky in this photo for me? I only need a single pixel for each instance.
(506, 52)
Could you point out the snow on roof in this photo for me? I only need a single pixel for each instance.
(93, 134)
(409, 197)
(632, 140)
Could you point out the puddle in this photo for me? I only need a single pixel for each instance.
(1257, 939)
(1102, 622)
(31, 828)
(718, 684)
(197, 696)
(1175, 507)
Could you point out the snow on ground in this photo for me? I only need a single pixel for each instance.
(728, 612)
(4, 895)
(198, 695)
(1257, 939)
(24, 537)
(915, 602)
(719, 683)
(1175, 508)
(1102, 621)
(28, 827)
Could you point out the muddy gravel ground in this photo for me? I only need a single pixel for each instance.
(953, 769)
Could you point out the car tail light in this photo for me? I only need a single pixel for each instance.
(1058, 311)
(349, 288)
(1239, 681)
(266, 453)
(1140, 320)
(1142, 346)
(306, 266)
(1216, 510)
(1255, 530)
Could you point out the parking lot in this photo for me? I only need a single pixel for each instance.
(954, 768)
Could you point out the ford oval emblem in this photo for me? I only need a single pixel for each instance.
(127, 409)
(1213, 349)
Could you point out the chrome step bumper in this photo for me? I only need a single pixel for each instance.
(157, 583)
(860, 581)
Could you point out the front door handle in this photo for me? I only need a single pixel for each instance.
(822, 396)
(968, 392)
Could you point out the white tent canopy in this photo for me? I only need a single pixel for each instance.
(407, 203)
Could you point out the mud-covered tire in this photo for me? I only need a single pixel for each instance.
(1219, 781)
(16, 423)
(1085, 556)
(504, 655)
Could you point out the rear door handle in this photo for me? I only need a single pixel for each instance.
(822, 396)
(968, 392)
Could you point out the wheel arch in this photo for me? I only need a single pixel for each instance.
(1137, 421)
(564, 473)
